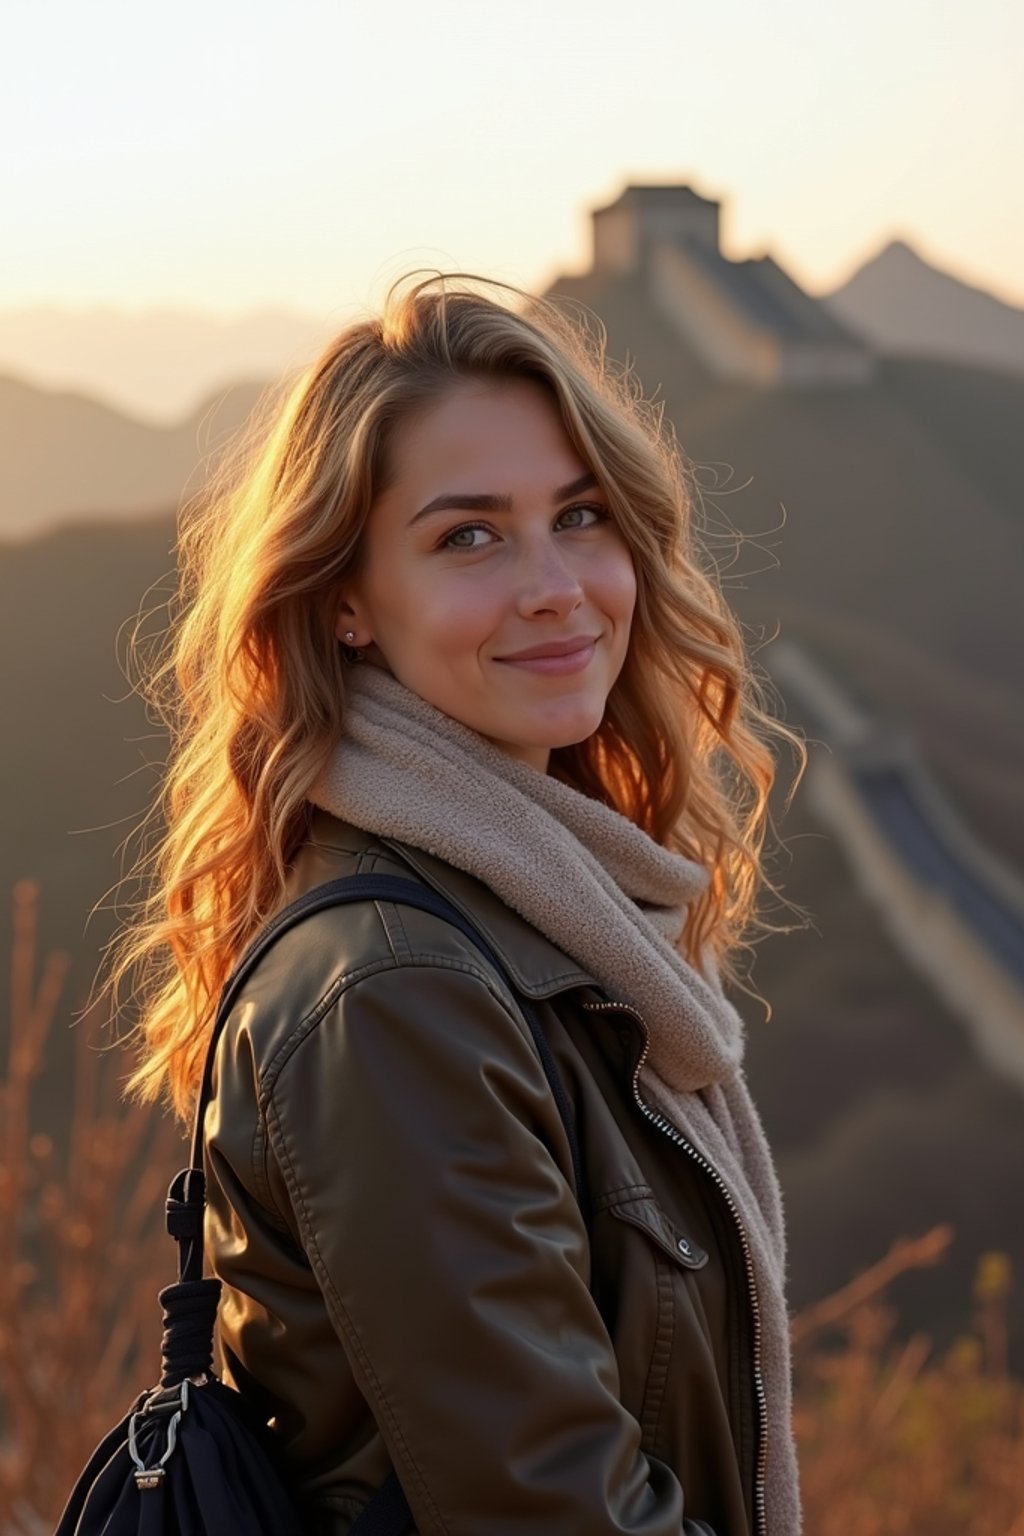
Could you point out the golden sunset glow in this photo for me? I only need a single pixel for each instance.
(223, 156)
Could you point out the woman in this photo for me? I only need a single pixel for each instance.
(444, 618)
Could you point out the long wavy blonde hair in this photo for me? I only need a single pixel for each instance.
(250, 679)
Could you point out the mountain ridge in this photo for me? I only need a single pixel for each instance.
(905, 305)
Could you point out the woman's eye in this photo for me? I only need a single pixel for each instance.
(456, 540)
(600, 513)
(448, 542)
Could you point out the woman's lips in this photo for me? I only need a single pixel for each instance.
(554, 666)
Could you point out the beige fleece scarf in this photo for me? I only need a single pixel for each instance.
(615, 900)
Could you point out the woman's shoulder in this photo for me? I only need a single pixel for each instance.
(327, 951)
(499, 939)
(341, 954)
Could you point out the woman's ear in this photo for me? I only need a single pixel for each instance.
(347, 623)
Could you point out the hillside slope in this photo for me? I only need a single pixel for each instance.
(852, 519)
(881, 1119)
(66, 458)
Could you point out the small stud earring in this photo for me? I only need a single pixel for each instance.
(352, 652)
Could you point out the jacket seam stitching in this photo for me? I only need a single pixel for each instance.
(426, 957)
(342, 983)
(561, 979)
(384, 849)
(272, 1071)
(506, 994)
(622, 1194)
(329, 1000)
(312, 1017)
(323, 1274)
(391, 918)
(657, 1372)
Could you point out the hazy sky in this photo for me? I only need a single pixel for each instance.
(225, 155)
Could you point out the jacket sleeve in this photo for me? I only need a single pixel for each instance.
(430, 1179)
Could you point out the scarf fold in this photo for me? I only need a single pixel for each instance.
(616, 901)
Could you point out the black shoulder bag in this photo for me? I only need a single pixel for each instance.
(192, 1457)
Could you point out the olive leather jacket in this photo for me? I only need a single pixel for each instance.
(408, 1279)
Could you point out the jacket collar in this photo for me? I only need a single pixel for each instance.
(537, 966)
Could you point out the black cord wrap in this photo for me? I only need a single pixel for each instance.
(190, 1314)
(185, 1207)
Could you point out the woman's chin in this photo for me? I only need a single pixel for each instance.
(561, 728)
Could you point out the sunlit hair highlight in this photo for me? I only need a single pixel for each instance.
(251, 681)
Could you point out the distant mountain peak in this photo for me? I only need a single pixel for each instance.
(900, 250)
(903, 303)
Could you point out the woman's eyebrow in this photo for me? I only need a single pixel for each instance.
(450, 501)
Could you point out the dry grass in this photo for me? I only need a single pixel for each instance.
(83, 1249)
(895, 1441)
(892, 1440)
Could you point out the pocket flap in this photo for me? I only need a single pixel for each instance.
(644, 1212)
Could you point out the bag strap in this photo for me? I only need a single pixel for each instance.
(388, 1512)
(187, 1196)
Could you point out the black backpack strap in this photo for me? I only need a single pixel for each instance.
(393, 888)
(191, 1305)
(387, 1513)
(187, 1196)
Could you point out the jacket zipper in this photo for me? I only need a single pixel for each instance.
(698, 1157)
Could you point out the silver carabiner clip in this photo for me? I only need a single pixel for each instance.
(153, 1476)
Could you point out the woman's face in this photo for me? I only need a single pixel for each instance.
(492, 540)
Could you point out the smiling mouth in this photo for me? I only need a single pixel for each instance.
(554, 665)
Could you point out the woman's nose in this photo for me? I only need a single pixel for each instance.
(548, 582)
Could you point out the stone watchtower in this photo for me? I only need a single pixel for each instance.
(746, 321)
(626, 230)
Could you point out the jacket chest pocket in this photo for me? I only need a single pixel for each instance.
(673, 1242)
(648, 1271)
